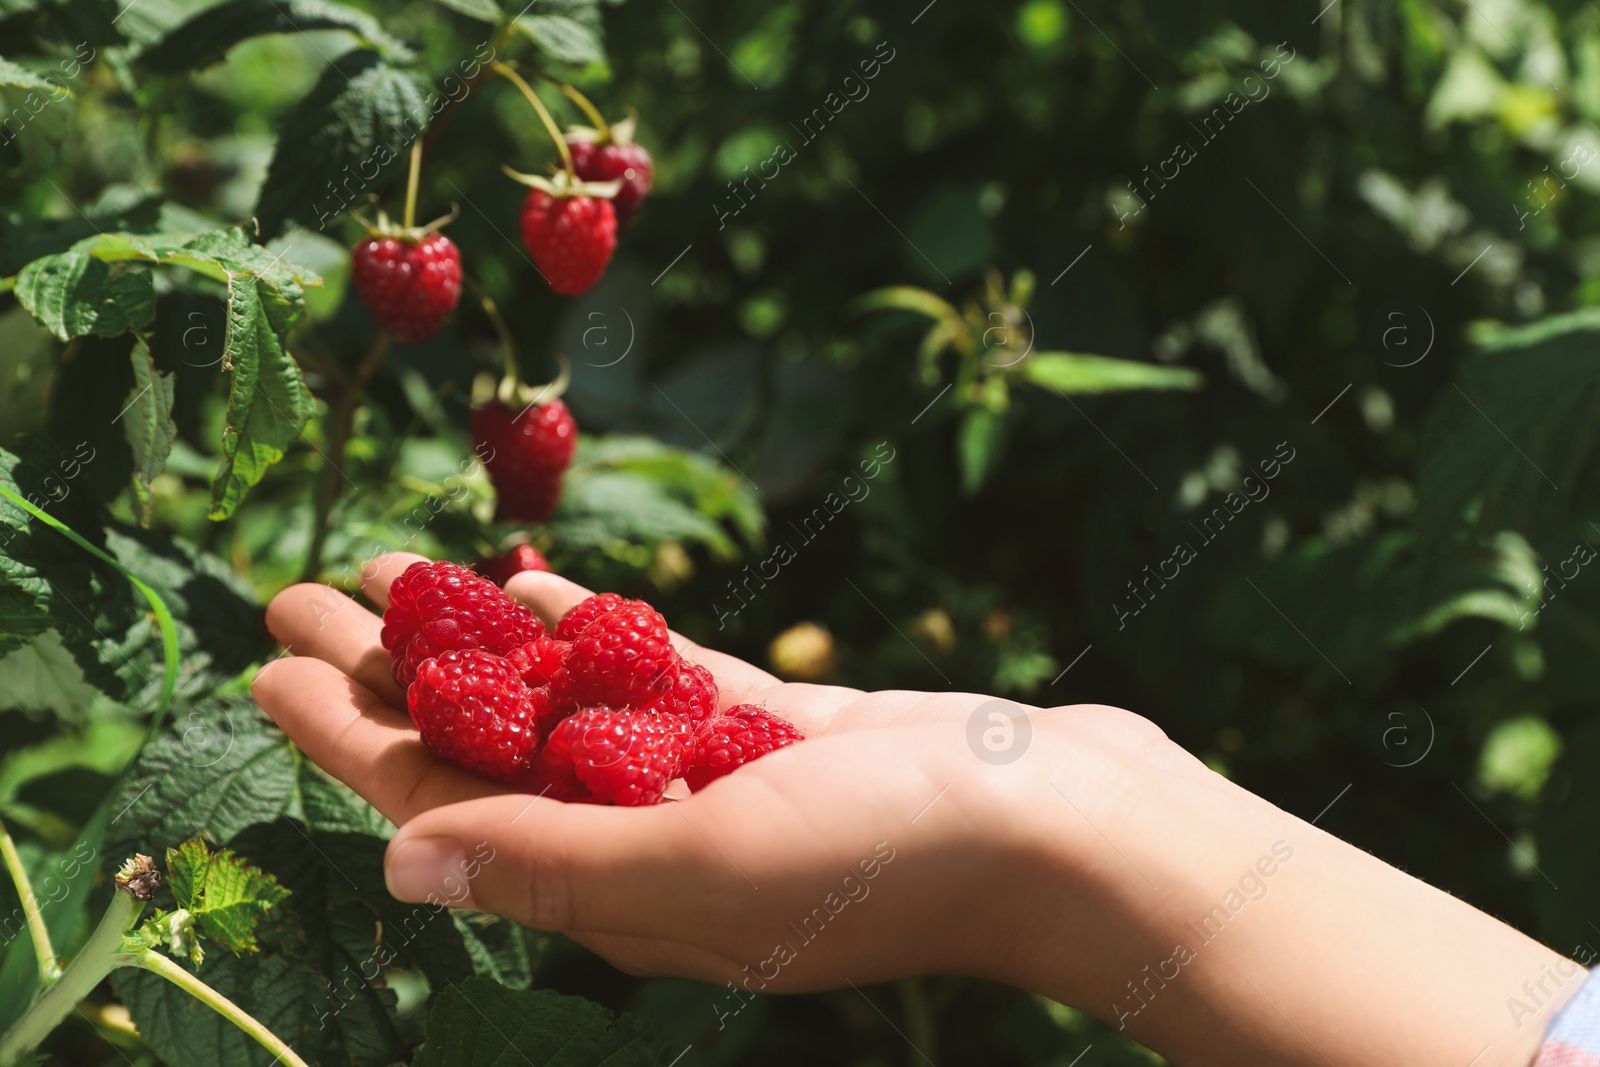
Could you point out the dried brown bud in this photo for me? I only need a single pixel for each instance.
(139, 877)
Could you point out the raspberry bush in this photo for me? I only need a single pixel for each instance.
(1057, 351)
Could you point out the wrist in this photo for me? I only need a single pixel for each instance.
(1106, 859)
(1218, 929)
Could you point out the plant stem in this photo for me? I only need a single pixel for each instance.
(508, 348)
(411, 183)
(584, 104)
(341, 417)
(544, 116)
(99, 955)
(156, 963)
(49, 965)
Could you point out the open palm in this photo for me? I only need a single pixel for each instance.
(714, 886)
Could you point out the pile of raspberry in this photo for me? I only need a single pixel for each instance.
(604, 710)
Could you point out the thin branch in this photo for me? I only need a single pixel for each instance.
(156, 963)
(550, 126)
(49, 964)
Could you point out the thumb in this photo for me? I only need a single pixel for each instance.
(557, 866)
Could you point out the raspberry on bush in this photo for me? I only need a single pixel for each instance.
(570, 237)
(408, 283)
(528, 454)
(598, 159)
(512, 562)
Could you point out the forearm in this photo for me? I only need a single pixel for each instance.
(1251, 936)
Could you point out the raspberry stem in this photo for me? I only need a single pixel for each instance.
(544, 116)
(156, 963)
(584, 105)
(411, 183)
(98, 957)
(508, 346)
(110, 946)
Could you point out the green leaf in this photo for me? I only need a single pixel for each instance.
(25, 237)
(219, 626)
(600, 508)
(206, 37)
(334, 942)
(48, 583)
(565, 38)
(499, 948)
(362, 115)
(268, 401)
(1516, 443)
(480, 1023)
(1336, 610)
(92, 22)
(102, 286)
(147, 420)
(75, 293)
(223, 767)
(22, 78)
(225, 895)
(484, 10)
(982, 432)
(43, 676)
(1069, 372)
(712, 489)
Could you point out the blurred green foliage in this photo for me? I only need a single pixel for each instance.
(1363, 230)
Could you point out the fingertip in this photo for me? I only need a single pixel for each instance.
(547, 595)
(419, 868)
(259, 683)
(267, 687)
(380, 571)
(313, 597)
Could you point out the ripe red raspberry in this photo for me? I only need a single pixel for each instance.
(604, 161)
(472, 709)
(563, 701)
(436, 607)
(620, 657)
(570, 238)
(620, 757)
(409, 285)
(578, 618)
(539, 660)
(502, 568)
(737, 736)
(527, 452)
(687, 691)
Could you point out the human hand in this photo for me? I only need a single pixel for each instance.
(882, 846)
(1090, 864)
